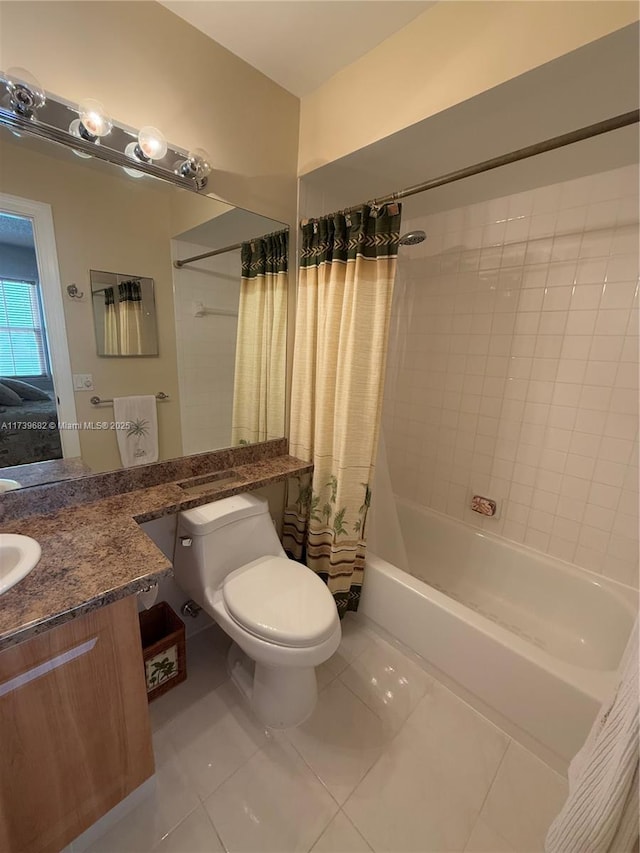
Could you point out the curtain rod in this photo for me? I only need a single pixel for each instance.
(591, 130)
(232, 248)
(184, 261)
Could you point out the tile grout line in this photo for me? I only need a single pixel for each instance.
(509, 741)
(351, 823)
(175, 826)
(310, 768)
(215, 828)
(387, 745)
(202, 799)
(375, 763)
(488, 791)
(322, 832)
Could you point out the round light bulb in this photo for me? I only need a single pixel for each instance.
(133, 173)
(202, 162)
(152, 143)
(94, 118)
(26, 95)
(75, 130)
(130, 151)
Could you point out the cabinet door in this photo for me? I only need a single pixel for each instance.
(74, 728)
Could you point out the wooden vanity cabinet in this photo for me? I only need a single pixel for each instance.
(75, 737)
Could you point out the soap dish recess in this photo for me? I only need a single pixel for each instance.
(209, 482)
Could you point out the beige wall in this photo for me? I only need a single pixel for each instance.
(105, 222)
(150, 67)
(189, 210)
(452, 52)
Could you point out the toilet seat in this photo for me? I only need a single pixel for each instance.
(280, 601)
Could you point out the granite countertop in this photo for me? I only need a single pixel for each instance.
(36, 473)
(95, 553)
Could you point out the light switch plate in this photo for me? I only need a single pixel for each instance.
(83, 382)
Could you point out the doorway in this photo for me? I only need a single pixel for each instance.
(35, 376)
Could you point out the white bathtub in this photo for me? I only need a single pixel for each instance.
(536, 639)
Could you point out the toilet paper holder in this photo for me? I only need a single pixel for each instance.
(148, 595)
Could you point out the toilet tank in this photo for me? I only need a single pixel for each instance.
(224, 535)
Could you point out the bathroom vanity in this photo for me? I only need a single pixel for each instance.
(74, 723)
(75, 728)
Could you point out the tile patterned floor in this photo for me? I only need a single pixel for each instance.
(391, 761)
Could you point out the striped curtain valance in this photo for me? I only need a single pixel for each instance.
(129, 291)
(368, 233)
(268, 255)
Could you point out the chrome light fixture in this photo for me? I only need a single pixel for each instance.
(133, 173)
(26, 95)
(150, 145)
(197, 166)
(93, 122)
(85, 130)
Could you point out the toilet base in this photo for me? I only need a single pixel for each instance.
(241, 669)
(281, 697)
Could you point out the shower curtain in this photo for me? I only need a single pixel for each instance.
(386, 539)
(259, 379)
(130, 317)
(345, 288)
(111, 346)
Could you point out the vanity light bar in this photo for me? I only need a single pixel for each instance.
(57, 121)
(101, 152)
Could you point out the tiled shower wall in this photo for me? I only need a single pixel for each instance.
(513, 368)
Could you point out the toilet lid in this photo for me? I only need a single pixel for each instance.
(281, 601)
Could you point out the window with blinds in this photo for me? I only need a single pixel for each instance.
(23, 347)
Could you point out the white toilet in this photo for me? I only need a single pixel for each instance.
(280, 615)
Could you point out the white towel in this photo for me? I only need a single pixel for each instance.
(601, 811)
(138, 444)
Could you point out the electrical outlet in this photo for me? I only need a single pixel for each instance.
(83, 382)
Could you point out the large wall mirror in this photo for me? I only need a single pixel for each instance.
(218, 362)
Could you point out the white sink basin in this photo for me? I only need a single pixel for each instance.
(8, 485)
(18, 555)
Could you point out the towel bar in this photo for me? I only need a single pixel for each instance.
(96, 401)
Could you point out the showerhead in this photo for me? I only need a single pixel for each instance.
(412, 238)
